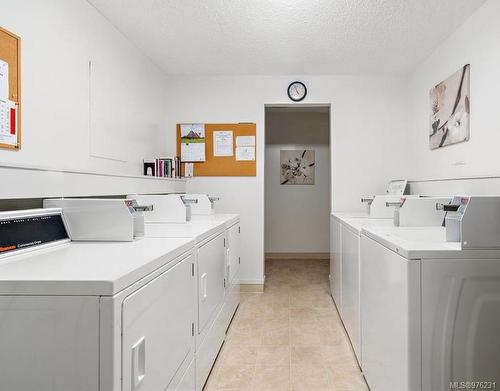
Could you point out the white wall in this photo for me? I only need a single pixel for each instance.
(476, 42)
(58, 39)
(368, 130)
(296, 217)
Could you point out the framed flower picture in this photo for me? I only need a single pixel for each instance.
(297, 167)
(450, 110)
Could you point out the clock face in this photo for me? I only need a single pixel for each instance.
(297, 91)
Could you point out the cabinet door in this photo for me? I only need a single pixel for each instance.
(157, 329)
(211, 273)
(233, 238)
(336, 261)
(350, 287)
(49, 343)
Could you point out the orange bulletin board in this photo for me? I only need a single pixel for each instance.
(10, 52)
(222, 165)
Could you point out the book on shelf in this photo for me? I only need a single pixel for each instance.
(149, 167)
(167, 167)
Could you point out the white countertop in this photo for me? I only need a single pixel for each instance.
(357, 221)
(423, 243)
(87, 268)
(228, 219)
(357, 224)
(196, 231)
(199, 228)
(348, 215)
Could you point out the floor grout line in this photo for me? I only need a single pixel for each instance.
(282, 285)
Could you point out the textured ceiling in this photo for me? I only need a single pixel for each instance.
(284, 37)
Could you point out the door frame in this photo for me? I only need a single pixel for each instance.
(289, 105)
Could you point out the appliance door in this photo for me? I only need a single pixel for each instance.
(460, 322)
(157, 337)
(350, 288)
(390, 318)
(336, 261)
(211, 272)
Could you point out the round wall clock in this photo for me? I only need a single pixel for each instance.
(297, 91)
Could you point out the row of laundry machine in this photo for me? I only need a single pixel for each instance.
(116, 294)
(416, 281)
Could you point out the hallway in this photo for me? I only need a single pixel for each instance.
(288, 338)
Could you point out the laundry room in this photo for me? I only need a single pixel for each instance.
(253, 195)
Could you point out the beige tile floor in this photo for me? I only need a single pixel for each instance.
(288, 338)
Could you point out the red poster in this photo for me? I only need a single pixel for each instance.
(12, 121)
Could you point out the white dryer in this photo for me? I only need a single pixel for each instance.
(431, 301)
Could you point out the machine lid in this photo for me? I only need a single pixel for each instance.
(397, 187)
(30, 229)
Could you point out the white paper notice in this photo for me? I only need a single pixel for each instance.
(193, 142)
(8, 122)
(189, 170)
(223, 143)
(245, 153)
(4, 80)
(245, 141)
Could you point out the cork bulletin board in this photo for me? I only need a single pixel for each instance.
(10, 52)
(222, 165)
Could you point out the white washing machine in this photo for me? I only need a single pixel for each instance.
(336, 223)
(430, 301)
(345, 275)
(217, 265)
(379, 212)
(92, 315)
(215, 250)
(375, 208)
(407, 211)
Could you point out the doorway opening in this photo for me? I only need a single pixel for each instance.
(297, 183)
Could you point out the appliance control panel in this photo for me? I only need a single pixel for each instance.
(26, 229)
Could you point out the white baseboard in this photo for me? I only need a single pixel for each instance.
(252, 281)
(297, 255)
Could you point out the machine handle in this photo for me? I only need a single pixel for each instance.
(447, 207)
(394, 203)
(367, 200)
(188, 201)
(138, 362)
(213, 199)
(143, 208)
(204, 286)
